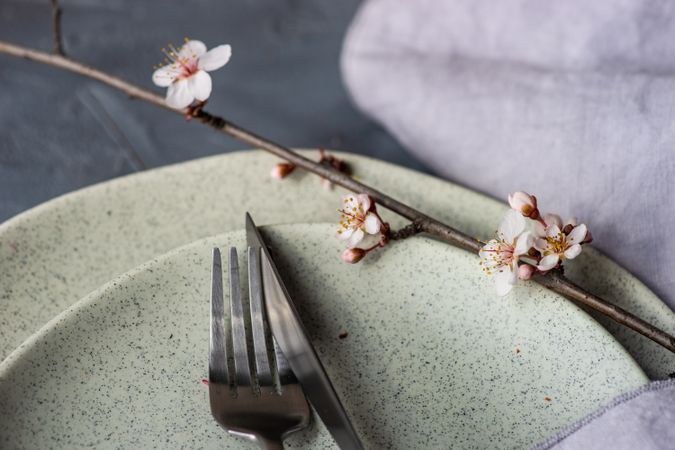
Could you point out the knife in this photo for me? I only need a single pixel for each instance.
(294, 342)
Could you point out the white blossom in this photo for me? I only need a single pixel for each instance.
(185, 74)
(555, 245)
(357, 218)
(499, 256)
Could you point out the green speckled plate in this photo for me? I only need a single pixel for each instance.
(55, 254)
(432, 357)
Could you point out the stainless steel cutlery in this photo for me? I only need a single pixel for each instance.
(265, 401)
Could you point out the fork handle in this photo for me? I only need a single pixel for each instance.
(270, 444)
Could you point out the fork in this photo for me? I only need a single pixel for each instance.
(262, 403)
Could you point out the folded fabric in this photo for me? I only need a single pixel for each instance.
(638, 420)
(573, 101)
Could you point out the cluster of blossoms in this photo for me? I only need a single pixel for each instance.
(516, 253)
(185, 72)
(360, 224)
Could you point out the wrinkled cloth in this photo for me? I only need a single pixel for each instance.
(572, 101)
(642, 419)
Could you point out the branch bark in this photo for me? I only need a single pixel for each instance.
(421, 222)
(407, 231)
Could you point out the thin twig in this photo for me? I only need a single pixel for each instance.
(407, 231)
(89, 72)
(422, 223)
(56, 28)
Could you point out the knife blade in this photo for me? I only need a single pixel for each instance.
(294, 342)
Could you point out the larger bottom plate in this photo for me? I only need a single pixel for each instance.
(432, 357)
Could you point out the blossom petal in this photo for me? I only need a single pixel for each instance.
(548, 262)
(553, 231)
(539, 229)
(511, 226)
(488, 250)
(215, 58)
(179, 94)
(200, 85)
(165, 75)
(577, 235)
(364, 201)
(192, 50)
(355, 238)
(553, 219)
(349, 202)
(372, 223)
(491, 263)
(541, 244)
(572, 221)
(523, 244)
(345, 234)
(573, 251)
(504, 281)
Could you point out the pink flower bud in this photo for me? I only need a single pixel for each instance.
(282, 170)
(525, 272)
(353, 255)
(326, 184)
(525, 204)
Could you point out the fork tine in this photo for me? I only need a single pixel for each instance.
(217, 353)
(241, 366)
(257, 318)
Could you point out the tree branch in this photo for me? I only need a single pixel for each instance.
(56, 28)
(407, 231)
(421, 222)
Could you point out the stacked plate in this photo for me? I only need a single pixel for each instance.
(104, 304)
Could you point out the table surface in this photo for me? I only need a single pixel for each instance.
(62, 132)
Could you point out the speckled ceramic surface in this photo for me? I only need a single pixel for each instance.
(432, 356)
(55, 254)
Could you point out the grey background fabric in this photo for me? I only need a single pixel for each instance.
(60, 132)
(572, 101)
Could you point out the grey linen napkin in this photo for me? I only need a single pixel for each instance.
(573, 101)
(643, 419)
